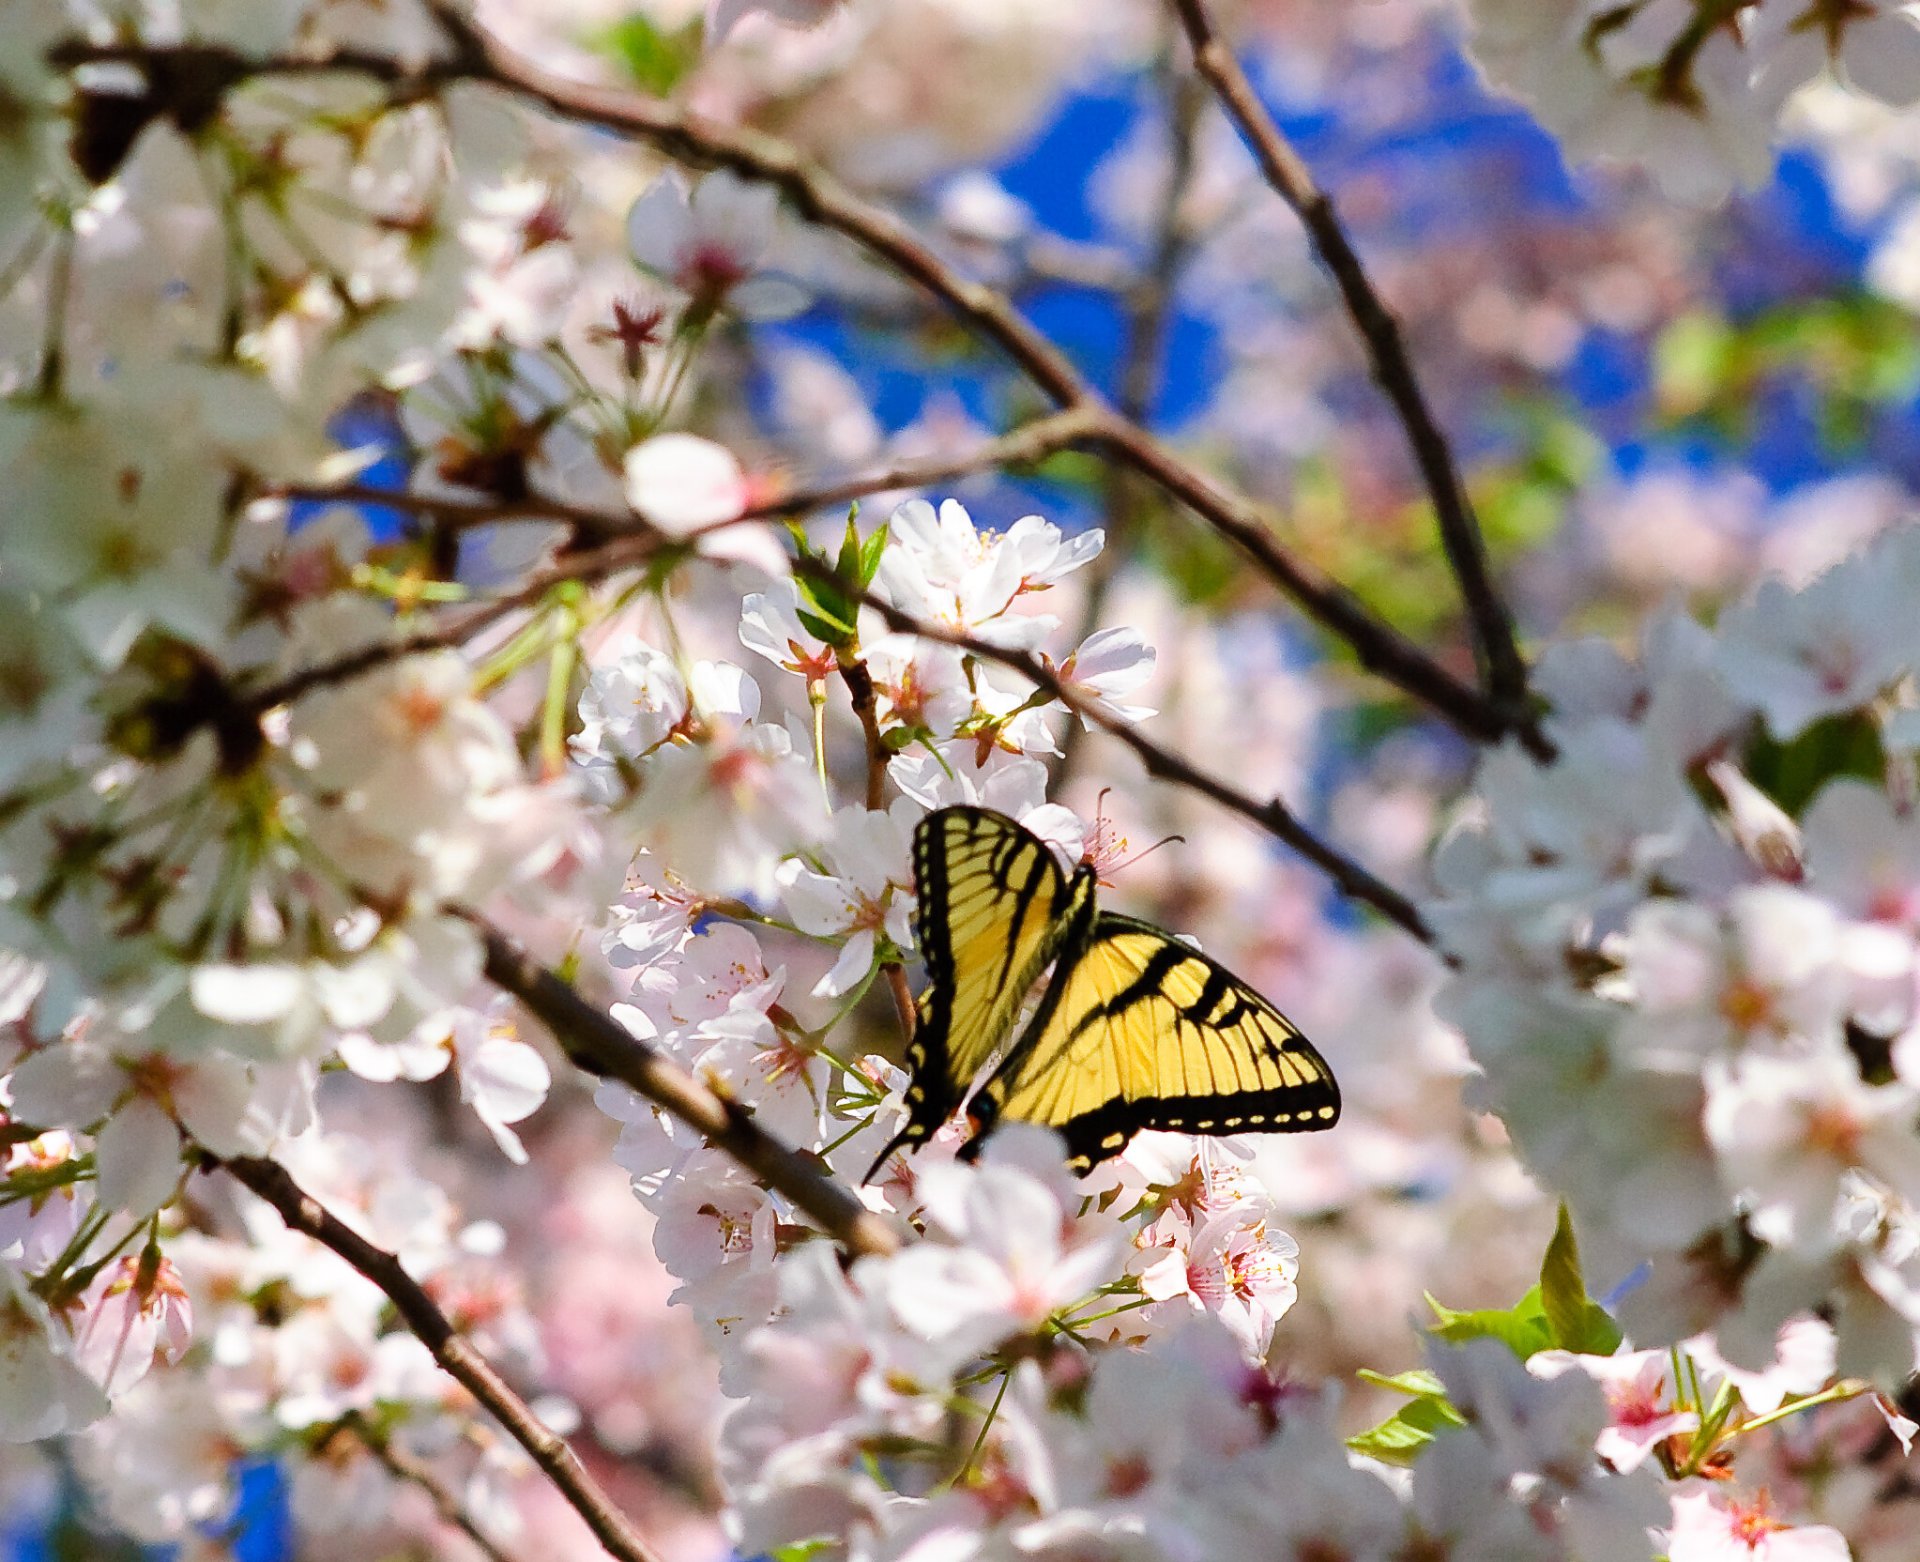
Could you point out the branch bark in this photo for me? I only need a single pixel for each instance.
(455, 1353)
(600, 1045)
(1503, 671)
(1350, 877)
(403, 1466)
(821, 199)
(1026, 445)
(859, 681)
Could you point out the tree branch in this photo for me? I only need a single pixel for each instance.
(1503, 671)
(1349, 877)
(1147, 308)
(457, 1357)
(859, 681)
(1027, 445)
(600, 1045)
(1376, 644)
(403, 1466)
(820, 198)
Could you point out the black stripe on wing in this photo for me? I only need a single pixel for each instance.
(1303, 1108)
(1019, 869)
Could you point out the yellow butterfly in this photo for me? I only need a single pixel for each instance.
(1135, 1029)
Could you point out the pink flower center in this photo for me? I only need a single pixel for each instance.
(1892, 903)
(1632, 1404)
(1746, 1004)
(1752, 1524)
(1128, 1475)
(735, 768)
(712, 271)
(1837, 664)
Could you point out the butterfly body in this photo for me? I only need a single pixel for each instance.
(1134, 1029)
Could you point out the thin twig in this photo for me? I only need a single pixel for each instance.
(459, 514)
(1349, 877)
(600, 1045)
(859, 681)
(371, 658)
(403, 1466)
(1147, 308)
(1503, 670)
(1027, 445)
(457, 1357)
(818, 197)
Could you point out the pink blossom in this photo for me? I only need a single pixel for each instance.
(1641, 1400)
(135, 1312)
(1708, 1528)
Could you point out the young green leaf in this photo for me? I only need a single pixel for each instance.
(1399, 1439)
(870, 553)
(1522, 1328)
(1578, 1322)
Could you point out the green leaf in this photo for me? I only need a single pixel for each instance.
(1074, 469)
(1523, 1328)
(1578, 1322)
(1419, 1382)
(870, 553)
(798, 1551)
(656, 58)
(1399, 1439)
(1793, 773)
(1692, 361)
(826, 626)
(847, 566)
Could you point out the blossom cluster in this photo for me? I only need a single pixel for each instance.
(1692, 90)
(269, 749)
(1688, 961)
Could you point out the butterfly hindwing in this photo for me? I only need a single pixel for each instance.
(993, 909)
(1139, 1030)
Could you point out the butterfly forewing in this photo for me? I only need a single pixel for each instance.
(993, 910)
(1138, 1030)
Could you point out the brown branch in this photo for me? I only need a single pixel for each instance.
(1376, 644)
(1502, 668)
(859, 682)
(403, 1466)
(463, 514)
(371, 658)
(1147, 308)
(600, 1045)
(815, 194)
(1027, 445)
(818, 197)
(456, 1354)
(1351, 878)
(623, 542)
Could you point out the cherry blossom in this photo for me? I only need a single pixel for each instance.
(396, 422)
(683, 483)
(711, 241)
(860, 896)
(1707, 1529)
